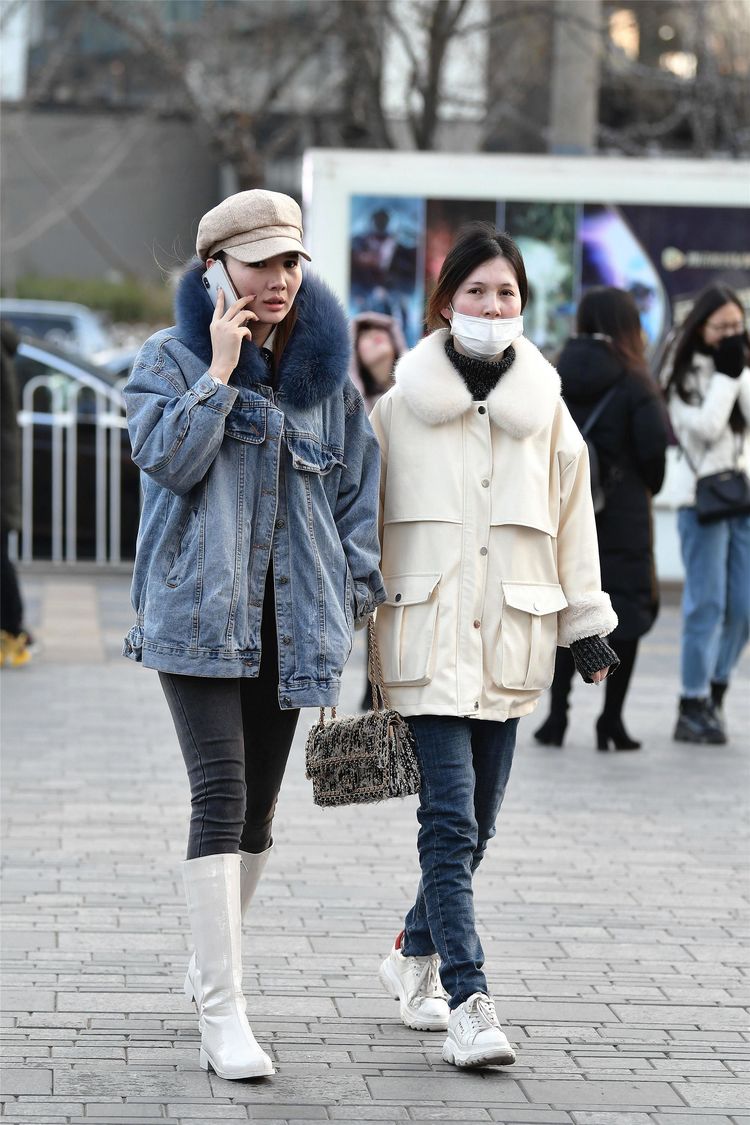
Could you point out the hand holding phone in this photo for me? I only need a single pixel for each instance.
(229, 323)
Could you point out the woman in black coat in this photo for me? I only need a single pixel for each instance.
(629, 436)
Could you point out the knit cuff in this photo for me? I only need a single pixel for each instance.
(591, 655)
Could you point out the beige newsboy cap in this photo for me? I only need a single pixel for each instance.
(251, 226)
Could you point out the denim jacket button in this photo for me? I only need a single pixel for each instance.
(286, 701)
(286, 640)
(280, 523)
(283, 580)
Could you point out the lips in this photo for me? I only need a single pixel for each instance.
(274, 304)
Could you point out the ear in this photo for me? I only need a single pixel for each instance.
(447, 313)
(210, 262)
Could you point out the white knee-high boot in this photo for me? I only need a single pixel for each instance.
(251, 869)
(212, 889)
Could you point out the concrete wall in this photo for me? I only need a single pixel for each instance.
(89, 195)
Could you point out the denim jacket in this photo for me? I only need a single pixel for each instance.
(240, 477)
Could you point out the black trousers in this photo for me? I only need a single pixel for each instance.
(235, 740)
(11, 605)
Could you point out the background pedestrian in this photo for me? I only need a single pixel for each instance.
(708, 395)
(15, 642)
(604, 365)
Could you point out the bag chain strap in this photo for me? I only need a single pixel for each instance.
(374, 675)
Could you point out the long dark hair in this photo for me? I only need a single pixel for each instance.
(476, 243)
(607, 311)
(283, 330)
(689, 340)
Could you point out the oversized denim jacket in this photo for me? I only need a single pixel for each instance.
(239, 477)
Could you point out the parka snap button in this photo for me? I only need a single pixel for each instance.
(397, 598)
(481, 410)
(485, 483)
(476, 706)
(482, 550)
(477, 623)
(536, 606)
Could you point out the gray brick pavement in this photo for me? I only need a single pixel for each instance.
(612, 906)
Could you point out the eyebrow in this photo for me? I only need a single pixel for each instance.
(478, 281)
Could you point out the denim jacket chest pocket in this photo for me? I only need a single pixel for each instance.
(310, 455)
(247, 422)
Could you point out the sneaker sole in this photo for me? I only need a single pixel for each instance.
(456, 1057)
(392, 985)
(699, 740)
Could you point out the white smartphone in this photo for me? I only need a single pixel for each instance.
(216, 278)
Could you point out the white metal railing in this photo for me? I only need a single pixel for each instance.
(62, 390)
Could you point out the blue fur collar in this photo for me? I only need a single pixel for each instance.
(315, 362)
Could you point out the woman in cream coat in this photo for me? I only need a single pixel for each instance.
(490, 561)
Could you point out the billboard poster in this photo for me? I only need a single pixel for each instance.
(662, 254)
(386, 259)
(546, 237)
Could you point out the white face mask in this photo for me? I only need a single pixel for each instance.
(483, 337)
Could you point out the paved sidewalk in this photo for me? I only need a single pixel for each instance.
(612, 906)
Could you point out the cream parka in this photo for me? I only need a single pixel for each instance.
(489, 549)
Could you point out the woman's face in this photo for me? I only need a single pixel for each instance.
(729, 320)
(490, 290)
(375, 347)
(272, 284)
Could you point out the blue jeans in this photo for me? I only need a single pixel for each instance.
(465, 768)
(715, 601)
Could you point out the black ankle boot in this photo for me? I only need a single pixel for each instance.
(552, 730)
(612, 730)
(718, 691)
(697, 722)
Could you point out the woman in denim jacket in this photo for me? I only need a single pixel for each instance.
(257, 553)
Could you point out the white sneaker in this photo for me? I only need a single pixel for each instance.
(475, 1037)
(415, 982)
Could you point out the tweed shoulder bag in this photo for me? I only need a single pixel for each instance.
(362, 758)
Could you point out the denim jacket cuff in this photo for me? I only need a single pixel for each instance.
(367, 600)
(221, 394)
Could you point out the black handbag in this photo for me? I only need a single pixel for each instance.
(720, 496)
(363, 758)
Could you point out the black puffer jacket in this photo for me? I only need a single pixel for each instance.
(630, 437)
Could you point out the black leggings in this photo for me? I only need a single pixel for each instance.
(235, 740)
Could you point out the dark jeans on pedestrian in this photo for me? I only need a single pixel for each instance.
(235, 740)
(465, 767)
(11, 605)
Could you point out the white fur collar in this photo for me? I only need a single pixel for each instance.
(523, 402)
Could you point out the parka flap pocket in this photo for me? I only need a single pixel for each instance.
(246, 423)
(524, 658)
(407, 625)
(534, 597)
(309, 456)
(410, 589)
